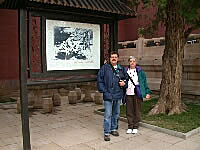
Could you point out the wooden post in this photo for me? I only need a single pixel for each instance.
(23, 80)
(115, 35)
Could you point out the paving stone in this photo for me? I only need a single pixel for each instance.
(80, 147)
(99, 144)
(188, 145)
(12, 140)
(195, 138)
(77, 127)
(171, 139)
(51, 146)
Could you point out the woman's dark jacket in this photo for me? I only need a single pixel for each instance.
(143, 85)
(108, 82)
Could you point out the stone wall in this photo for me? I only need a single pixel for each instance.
(50, 89)
(150, 59)
(142, 50)
(46, 96)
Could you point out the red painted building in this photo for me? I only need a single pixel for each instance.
(9, 46)
(127, 30)
(9, 53)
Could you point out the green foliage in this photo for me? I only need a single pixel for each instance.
(161, 4)
(190, 9)
(147, 3)
(141, 32)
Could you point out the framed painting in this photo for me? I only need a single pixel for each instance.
(72, 45)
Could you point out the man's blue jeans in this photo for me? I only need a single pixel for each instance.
(111, 114)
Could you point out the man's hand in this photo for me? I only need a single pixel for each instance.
(121, 83)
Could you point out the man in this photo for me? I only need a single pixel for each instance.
(111, 81)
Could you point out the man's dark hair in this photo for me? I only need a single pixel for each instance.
(114, 52)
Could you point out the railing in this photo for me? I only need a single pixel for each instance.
(153, 48)
(192, 39)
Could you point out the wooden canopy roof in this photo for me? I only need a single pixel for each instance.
(108, 7)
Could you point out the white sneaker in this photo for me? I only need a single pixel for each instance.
(129, 131)
(135, 131)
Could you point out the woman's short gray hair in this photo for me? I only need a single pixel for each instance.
(131, 57)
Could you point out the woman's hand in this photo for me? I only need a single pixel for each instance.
(148, 96)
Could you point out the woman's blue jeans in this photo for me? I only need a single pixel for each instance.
(111, 114)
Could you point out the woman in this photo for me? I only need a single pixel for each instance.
(136, 91)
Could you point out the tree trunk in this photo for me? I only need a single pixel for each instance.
(170, 90)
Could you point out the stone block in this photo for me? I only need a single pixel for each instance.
(56, 99)
(98, 98)
(47, 104)
(153, 74)
(72, 97)
(194, 76)
(63, 92)
(18, 105)
(31, 98)
(78, 92)
(38, 99)
(88, 97)
(47, 92)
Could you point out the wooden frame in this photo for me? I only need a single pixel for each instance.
(72, 45)
(65, 17)
(26, 9)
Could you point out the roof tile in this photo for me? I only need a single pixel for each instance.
(111, 6)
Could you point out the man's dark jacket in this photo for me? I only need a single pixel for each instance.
(108, 82)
